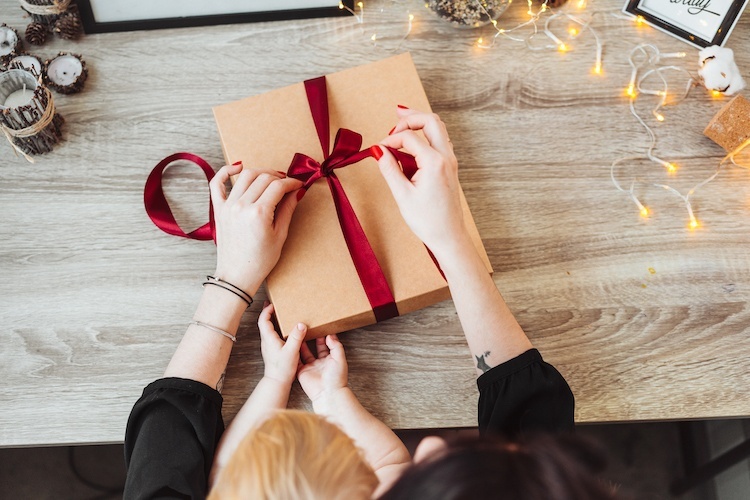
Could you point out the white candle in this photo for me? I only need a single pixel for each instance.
(19, 98)
(64, 70)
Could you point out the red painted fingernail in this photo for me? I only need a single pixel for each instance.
(377, 153)
(283, 174)
(300, 193)
(402, 106)
(394, 128)
(237, 163)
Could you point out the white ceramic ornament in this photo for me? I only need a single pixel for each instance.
(718, 70)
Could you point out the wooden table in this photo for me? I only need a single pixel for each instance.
(646, 319)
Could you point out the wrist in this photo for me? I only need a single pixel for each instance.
(249, 285)
(458, 246)
(279, 383)
(329, 400)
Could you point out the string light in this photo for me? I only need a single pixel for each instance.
(650, 67)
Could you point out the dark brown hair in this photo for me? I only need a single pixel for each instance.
(542, 467)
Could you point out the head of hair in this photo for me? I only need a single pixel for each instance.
(542, 467)
(296, 454)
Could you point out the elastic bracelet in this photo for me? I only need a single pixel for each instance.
(217, 330)
(239, 292)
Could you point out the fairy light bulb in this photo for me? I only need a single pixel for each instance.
(640, 20)
(581, 4)
(693, 223)
(374, 37)
(341, 5)
(644, 212)
(659, 117)
(562, 47)
(598, 68)
(630, 91)
(573, 31)
(360, 5)
(716, 94)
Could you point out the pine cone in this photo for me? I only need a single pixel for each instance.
(68, 26)
(36, 34)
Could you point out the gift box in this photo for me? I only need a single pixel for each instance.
(350, 259)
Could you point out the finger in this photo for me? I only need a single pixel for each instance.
(296, 338)
(273, 194)
(432, 127)
(409, 141)
(218, 187)
(392, 173)
(285, 210)
(336, 348)
(259, 186)
(267, 331)
(245, 179)
(306, 354)
(320, 345)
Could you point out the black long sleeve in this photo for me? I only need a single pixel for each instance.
(524, 394)
(171, 438)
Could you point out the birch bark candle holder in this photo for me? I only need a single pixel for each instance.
(28, 62)
(66, 73)
(27, 114)
(45, 11)
(10, 43)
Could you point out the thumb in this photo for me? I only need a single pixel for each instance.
(285, 209)
(391, 171)
(296, 338)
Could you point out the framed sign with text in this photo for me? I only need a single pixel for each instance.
(699, 22)
(103, 16)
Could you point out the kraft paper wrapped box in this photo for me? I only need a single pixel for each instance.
(315, 281)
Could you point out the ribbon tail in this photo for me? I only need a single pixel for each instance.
(365, 262)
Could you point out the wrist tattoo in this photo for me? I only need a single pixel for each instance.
(220, 383)
(481, 363)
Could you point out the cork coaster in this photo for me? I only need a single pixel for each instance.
(731, 125)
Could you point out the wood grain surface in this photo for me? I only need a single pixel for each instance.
(646, 319)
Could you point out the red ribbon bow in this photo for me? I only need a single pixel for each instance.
(346, 151)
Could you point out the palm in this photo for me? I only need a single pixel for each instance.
(327, 372)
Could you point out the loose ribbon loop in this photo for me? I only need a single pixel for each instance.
(158, 209)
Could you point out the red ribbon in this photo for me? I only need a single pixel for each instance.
(158, 209)
(346, 151)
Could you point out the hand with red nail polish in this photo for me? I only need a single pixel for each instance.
(252, 221)
(429, 202)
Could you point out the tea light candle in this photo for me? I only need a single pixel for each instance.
(27, 114)
(66, 73)
(28, 62)
(10, 43)
(18, 98)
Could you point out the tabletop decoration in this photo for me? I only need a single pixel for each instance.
(29, 62)
(718, 71)
(27, 114)
(66, 73)
(468, 13)
(730, 127)
(56, 16)
(10, 43)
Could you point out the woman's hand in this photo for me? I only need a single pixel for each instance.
(281, 359)
(251, 223)
(430, 202)
(325, 374)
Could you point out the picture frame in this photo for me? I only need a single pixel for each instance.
(107, 16)
(700, 23)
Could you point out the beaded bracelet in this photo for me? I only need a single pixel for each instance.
(214, 329)
(239, 292)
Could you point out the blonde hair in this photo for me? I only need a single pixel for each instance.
(296, 455)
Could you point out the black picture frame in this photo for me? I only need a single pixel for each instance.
(91, 25)
(636, 8)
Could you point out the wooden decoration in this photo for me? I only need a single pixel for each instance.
(10, 43)
(27, 114)
(45, 11)
(66, 73)
(730, 128)
(29, 62)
